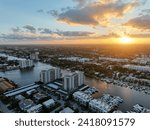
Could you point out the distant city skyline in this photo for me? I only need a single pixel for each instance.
(74, 21)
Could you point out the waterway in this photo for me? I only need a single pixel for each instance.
(130, 96)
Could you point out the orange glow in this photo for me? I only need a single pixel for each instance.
(96, 41)
(126, 40)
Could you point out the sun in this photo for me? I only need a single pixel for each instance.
(125, 40)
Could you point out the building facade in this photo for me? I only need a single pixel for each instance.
(34, 56)
(50, 75)
(26, 63)
(73, 80)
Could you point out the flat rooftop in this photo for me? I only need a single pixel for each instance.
(21, 90)
(67, 110)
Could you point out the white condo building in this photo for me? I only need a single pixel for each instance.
(26, 63)
(34, 56)
(43, 76)
(80, 78)
(73, 80)
(57, 73)
(50, 75)
(70, 81)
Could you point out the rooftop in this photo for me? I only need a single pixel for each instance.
(49, 103)
(19, 97)
(67, 110)
(35, 109)
(39, 96)
(5, 85)
(21, 90)
(53, 86)
(82, 95)
(26, 104)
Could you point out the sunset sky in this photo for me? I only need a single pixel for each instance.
(74, 21)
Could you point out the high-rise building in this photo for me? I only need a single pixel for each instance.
(43, 76)
(73, 80)
(25, 63)
(68, 82)
(50, 75)
(80, 78)
(57, 73)
(34, 56)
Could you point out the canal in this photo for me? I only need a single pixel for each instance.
(130, 96)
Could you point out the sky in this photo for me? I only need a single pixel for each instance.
(74, 21)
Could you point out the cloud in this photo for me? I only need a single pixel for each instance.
(30, 28)
(145, 12)
(96, 13)
(16, 36)
(25, 36)
(65, 33)
(28, 33)
(139, 35)
(74, 33)
(45, 30)
(52, 12)
(107, 1)
(81, 3)
(40, 11)
(110, 35)
(140, 22)
(16, 29)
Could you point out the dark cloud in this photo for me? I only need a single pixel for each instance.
(26, 37)
(141, 22)
(15, 36)
(40, 11)
(30, 28)
(43, 34)
(96, 13)
(65, 33)
(74, 33)
(65, 9)
(45, 30)
(52, 12)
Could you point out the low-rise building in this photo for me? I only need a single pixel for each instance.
(49, 103)
(30, 92)
(19, 97)
(35, 109)
(39, 97)
(97, 105)
(82, 98)
(139, 109)
(26, 104)
(105, 104)
(67, 110)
